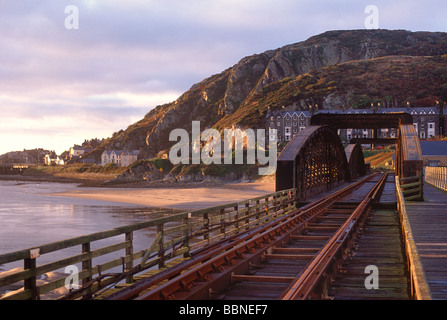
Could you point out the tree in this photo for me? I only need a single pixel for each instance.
(443, 92)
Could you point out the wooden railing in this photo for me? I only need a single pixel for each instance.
(437, 176)
(412, 187)
(176, 235)
(418, 283)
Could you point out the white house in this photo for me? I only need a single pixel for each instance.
(48, 160)
(76, 151)
(122, 158)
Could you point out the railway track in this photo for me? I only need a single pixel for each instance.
(295, 257)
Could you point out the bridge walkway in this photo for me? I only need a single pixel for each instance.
(428, 221)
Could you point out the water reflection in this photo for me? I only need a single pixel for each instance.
(29, 218)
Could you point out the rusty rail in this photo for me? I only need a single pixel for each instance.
(174, 236)
(205, 273)
(303, 287)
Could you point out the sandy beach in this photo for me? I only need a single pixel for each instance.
(179, 196)
(189, 198)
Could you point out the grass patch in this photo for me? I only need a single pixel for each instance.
(109, 168)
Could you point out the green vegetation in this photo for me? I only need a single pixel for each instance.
(389, 81)
(109, 168)
(380, 159)
(406, 67)
(164, 164)
(214, 170)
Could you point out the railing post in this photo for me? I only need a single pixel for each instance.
(31, 283)
(160, 230)
(206, 225)
(236, 225)
(222, 221)
(129, 255)
(247, 213)
(87, 265)
(186, 231)
(266, 202)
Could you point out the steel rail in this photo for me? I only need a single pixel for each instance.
(253, 243)
(302, 287)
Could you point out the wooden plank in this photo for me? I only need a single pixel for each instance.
(289, 256)
(419, 286)
(305, 237)
(295, 250)
(255, 278)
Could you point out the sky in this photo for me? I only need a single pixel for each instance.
(72, 70)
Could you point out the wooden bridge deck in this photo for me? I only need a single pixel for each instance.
(428, 220)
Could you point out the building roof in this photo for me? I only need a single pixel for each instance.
(307, 113)
(434, 148)
(120, 152)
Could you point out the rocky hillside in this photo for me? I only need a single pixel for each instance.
(334, 69)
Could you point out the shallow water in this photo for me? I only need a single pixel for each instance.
(30, 218)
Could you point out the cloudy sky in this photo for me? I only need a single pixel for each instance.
(74, 70)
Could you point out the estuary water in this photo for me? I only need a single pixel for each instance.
(30, 218)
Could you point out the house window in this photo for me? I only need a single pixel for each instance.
(294, 123)
(278, 123)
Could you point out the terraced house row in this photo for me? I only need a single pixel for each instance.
(122, 158)
(428, 122)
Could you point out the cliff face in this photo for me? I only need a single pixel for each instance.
(236, 95)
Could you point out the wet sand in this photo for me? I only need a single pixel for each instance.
(189, 198)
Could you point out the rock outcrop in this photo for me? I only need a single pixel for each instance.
(219, 100)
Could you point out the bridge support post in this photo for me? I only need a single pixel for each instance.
(31, 283)
(129, 256)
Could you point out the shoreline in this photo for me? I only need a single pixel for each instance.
(168, 198)
(105, 181)
(168, 195)
(78, 179)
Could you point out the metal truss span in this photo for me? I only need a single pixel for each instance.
(313, 161)
(356, 161)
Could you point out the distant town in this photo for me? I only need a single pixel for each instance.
(429, 123)
(76, 154)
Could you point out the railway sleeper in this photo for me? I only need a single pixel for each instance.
(200, 285)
